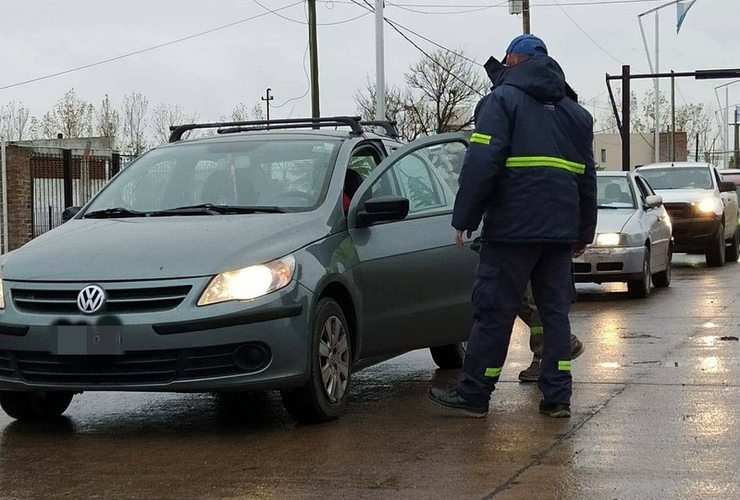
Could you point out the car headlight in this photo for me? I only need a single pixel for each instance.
(249, 282)
(707, 205)
(2, 295)
(610, 240)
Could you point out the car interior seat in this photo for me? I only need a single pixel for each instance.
(613, 193)
(217, 189)
(352, 181)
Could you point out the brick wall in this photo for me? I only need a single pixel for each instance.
(20, 196)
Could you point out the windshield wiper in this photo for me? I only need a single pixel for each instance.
(111, 213)
(210, 209)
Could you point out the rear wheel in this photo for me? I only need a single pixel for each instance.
(733, 251)
(325, 395)
(716, 253)
(663, 278)
(640, 288)
(35, 406)
(449, 357)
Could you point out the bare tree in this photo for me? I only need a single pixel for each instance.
(134, 123)
(71, 116)
(108, 121)
(166, 115)
(442, 89)
(243, 113)
(14, 121)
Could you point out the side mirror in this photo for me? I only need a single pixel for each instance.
(69, 212)
(727, 186)
(382, 209)
(653, 201)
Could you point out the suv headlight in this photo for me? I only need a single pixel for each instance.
(249, 282)
(610, 240)
(708, 205)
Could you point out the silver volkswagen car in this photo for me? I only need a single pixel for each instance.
(633, 236)
(254, 259)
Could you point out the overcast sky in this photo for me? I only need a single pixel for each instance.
(210, 74)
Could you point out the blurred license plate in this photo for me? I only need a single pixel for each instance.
(77, 340)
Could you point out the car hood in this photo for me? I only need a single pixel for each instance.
(684, 195)
(159, 248)
(613, 220)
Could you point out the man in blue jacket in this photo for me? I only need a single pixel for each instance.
(529, 175)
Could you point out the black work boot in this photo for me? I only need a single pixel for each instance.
(531, 374)
(556, 410)
(453, 400)
(576, 347)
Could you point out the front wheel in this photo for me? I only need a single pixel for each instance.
(640, 288)
(733, 247)
(716, 253)
(35, 406)
(449, 357)
(325, 394)
(663, 278)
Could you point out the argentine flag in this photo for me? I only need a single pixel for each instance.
(683, 9)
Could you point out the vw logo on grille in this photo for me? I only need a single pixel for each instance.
(90, 299)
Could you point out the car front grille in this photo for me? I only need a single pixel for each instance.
(679, 210)
(137, 367)
(581, 268)
(119, 301)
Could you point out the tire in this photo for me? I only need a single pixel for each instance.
(732, 252)
(663, 278)
(640, 288)
(35, 406)
(716, 253)
(323, 400)
(449, 357)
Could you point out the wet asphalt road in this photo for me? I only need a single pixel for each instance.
(655, 416)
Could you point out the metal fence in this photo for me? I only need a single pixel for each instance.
(66, 178)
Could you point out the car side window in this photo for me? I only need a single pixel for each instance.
(644, 191)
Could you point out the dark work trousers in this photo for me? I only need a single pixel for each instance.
(500, 282)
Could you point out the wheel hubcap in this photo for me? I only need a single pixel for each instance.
(334, 358)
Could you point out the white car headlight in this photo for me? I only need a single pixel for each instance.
(610, 240)
(707, 205)
(249, 282)
(2, 295)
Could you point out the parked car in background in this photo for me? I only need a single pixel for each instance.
(253, 259)
(633, 236)
(703, 209)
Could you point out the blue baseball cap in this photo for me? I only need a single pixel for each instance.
(527, 44)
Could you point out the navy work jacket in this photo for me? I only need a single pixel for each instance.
(530, 166)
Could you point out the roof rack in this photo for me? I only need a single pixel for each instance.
(353, 122)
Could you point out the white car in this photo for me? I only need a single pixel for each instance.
(633, 236)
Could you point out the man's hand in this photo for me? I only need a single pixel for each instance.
(459, 237)
(579, 250)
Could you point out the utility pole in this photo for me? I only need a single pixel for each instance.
(673, 116)
(267, 100)
(314, 49)
(379, 61)
(525, 17)
(737, 137)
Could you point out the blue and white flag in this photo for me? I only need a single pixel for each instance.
(683, 9)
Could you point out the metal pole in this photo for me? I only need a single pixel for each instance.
(657, 88)
(379, 61)
(626, 91)
(267, 100)
(673, 117)
(726, 135)
(3, 161)
(526, 17)
(313, 43)
(737, 140)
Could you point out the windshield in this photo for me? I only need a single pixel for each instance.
(678, 178)
(614, 192)
(279, 175)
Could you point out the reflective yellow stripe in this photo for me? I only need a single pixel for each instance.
(564, 366)
(493, 372)
(536, 330)
(480, 138)
(545, 161)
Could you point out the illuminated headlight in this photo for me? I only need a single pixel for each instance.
(250, 282)
(610, 240)
(707, 205)
(2, 295)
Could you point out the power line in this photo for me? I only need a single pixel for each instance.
(588, 3)
(305, 23)
(149, 49)
(587, 35)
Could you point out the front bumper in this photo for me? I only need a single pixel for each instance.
(260, 344)
(604, 265)
(695, 235)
